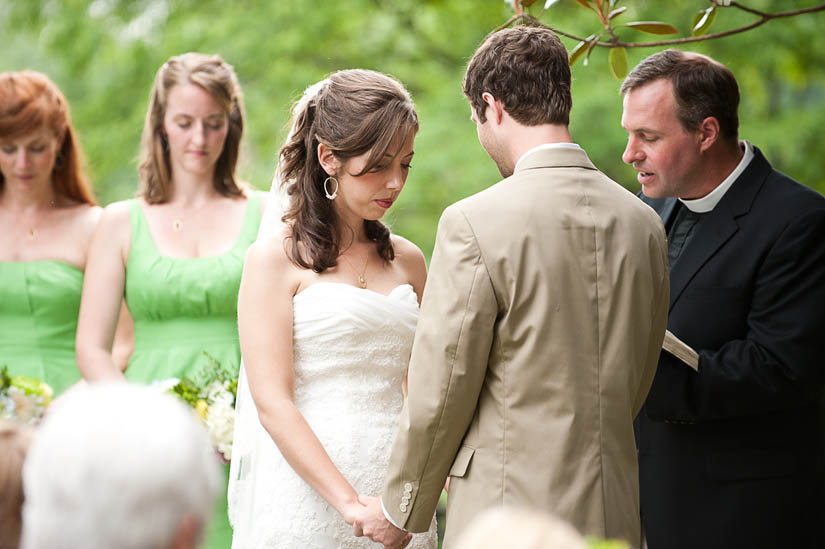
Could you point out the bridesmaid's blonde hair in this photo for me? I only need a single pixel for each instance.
(216, 77)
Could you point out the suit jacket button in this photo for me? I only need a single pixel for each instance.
(406, 498)
(403, 507)
(408, 487)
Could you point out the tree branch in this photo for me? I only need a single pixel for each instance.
(763, 18)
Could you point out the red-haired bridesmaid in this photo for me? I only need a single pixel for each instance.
(47, 216)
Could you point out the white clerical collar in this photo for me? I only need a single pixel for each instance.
(710, 200)
(546, 146)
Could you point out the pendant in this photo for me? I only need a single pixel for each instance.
(33, 234)
(362, 282)
(177, 224)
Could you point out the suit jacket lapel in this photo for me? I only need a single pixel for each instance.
(717, 227)
(711, 234)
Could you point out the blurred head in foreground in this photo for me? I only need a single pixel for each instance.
(519, 527)
(115, 465)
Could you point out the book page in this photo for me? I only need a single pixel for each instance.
(680, 350)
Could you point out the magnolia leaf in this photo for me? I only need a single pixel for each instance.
(618, 62)
(702, 21)
(578, 51)
(617, 12)
(585, 3)
(590, 45)
(653, 27)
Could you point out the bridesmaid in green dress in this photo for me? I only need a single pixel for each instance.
(47, 217)
(177, 251)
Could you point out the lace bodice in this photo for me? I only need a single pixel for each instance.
(350, 354)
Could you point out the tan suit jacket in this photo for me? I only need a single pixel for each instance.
(539, 334)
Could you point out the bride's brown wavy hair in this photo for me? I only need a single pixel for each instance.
(352, 112)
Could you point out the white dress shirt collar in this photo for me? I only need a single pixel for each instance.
(710, 200)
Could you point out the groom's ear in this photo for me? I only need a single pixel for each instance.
(495, 107)
(327, 160)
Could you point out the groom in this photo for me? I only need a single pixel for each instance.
(540, 327)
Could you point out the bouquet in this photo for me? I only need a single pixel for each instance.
(23, 399)
(212, 395)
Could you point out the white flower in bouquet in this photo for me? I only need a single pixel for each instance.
(6, 406)
(219, 390)
(212, 397)
(220, 422)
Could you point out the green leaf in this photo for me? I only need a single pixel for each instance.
(528, 3)
(579, 50)
(617, 12)
(652, 27)
(590, 45)
(5, 380)
(702, 21)
(187, 390)
(31, 385)
(585, 3)
(618, 62)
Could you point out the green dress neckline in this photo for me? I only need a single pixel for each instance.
(39, 304)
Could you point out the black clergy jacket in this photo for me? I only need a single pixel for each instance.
(732, 455)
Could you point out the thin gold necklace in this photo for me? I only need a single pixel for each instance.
(362, 281)
(33, 233)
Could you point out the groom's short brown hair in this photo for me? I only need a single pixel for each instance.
(526, 68)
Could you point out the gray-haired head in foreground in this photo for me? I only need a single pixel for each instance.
(521, 527)
(115, 466)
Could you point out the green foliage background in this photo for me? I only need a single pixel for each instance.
(104, 53)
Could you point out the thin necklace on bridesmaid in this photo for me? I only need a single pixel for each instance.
(362, 281)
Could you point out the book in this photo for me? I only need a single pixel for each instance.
(680, 350)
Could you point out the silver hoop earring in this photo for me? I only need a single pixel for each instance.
(330, 195)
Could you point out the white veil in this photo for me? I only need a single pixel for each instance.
(247, 425)
(248, 431)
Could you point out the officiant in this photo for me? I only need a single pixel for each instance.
(730, 455)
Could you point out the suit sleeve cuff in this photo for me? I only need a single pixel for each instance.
(388, 517)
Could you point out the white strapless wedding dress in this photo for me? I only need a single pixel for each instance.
(351, 351)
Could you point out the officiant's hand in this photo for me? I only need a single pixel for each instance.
(372, 523)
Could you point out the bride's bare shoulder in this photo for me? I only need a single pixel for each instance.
(270, 256)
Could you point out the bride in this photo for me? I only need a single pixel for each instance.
(327, 312)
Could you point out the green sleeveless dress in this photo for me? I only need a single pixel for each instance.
(181, 308)
(39, 302)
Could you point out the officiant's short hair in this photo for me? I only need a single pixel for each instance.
(117, 465)
(702, 87)
(527, 69)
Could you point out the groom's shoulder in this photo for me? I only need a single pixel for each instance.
(485, 199)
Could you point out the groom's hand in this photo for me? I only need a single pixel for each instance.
(372, 523)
